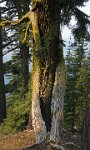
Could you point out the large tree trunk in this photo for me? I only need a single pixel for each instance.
(58, 97)
(2, 90)
(37, 120)
(85, 135)
(45, 27)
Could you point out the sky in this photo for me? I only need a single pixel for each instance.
(66, 33)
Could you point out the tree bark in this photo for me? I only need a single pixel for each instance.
(37, 120)
(85, 139)
(2, 88)
(85, 136)
(45, 29)
(58, 95)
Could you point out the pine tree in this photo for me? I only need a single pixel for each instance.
(83, 89)
(70, 89)
(73, 63)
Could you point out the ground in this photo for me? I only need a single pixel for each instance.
(17, 141)
(25, 140)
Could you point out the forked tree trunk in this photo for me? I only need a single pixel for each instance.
(58, 95)
(45, 28)
(2, 88)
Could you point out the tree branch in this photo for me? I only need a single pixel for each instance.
(6, 22)
(26, 32)
(6, 52)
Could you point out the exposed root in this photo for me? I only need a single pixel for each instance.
(31, 146)
(71, 143)
(57, 146)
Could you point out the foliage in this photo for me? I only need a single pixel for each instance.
(18, 108)
(74, 103)
(83, 91)
(70, 90)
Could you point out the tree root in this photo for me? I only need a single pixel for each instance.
(71, 143)
(57, 146)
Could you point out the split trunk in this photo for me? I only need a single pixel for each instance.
(45, 18)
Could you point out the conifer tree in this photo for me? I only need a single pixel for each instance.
(46, 16)
(73, 63)
(70, 89)
(83, 90)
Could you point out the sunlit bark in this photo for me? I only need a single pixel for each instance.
(37, 120)
(58, 95)
(45, 29)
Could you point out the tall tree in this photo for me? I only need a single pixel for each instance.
(2, 88)
(21, 10)
(46, 17)
(69, 104)
(45, 24)
(73, 63)
(83, 91)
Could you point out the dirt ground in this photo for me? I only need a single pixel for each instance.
(17, 141)
(25, 141)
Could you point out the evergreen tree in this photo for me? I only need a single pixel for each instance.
(73, 63)
(22, 9)
(45, 64)
(70, 89)
(46, 17)
(83, 108)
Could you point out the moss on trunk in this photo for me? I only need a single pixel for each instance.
(45, 27)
